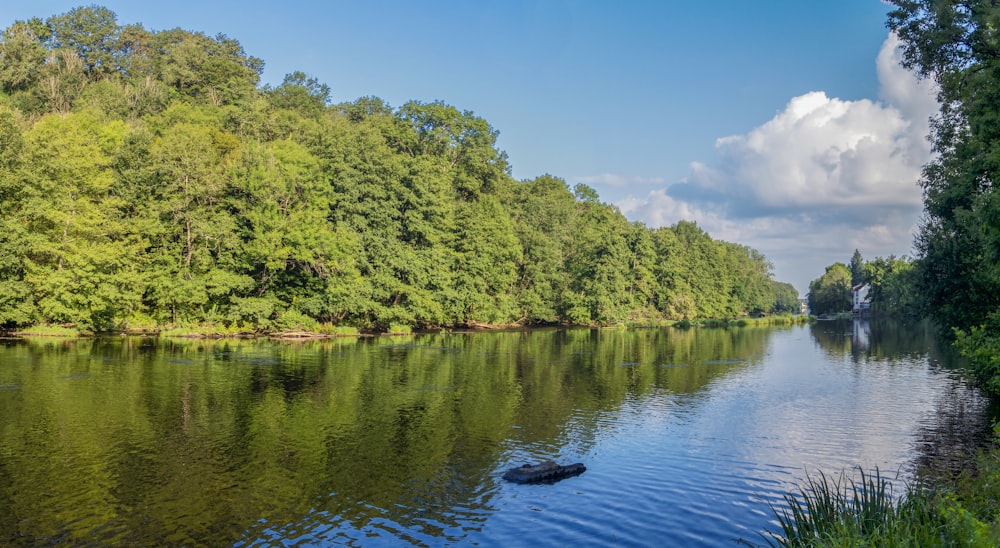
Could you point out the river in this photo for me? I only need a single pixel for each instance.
(688, 435)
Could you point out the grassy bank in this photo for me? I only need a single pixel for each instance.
(961, 511)
(49, 331)
(304, 328)
(785, 319)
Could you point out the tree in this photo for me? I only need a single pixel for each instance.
(956, 44)
(702, 273)
(302, 93)
(674, 297)
(22, 53)
(597, 264)
(17, 306)
(642, 264)
(893, 286)
(543, 211)
(831, 292)
(92, 32)
(79, 257)
(402, 209)
(194, 235)
(210, 70)
(752, 291)
(857, 268)
(280, 202)
(487, 252)
(786, 298)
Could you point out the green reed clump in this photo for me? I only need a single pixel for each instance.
(715, 323)
(838, 508)
(844, 512)
(49, 331)
(399, 329)
(339, 330)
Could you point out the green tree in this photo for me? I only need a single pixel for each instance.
(597, 263)
(210, 70)
(16, 300)
(643, 287)
(302, 93)
(543, 211)
(92, 32)
(857, 266)
(752, 291)
(78, 252)
(402, 209)
(22, 54)
(487, 254)
(893, 286)
(786, 298)
(673, 297)
(956, 44)
(701, 276)
(831, 292)
(280, 202)
(194, 239)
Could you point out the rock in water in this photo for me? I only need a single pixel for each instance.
(546, 472)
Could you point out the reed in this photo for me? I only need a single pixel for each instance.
(840, 512)
(49, 331)
(399, 329)
(338, 330)
(844, 512)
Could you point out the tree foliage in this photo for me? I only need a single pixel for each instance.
(857, 266)
(957, 43)
(831, 292)
(893, 286)
(148, 179)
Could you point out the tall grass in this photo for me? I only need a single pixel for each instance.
(399, 329)
(845, 512)
(779, 319)
(49, 331)
(836, 510)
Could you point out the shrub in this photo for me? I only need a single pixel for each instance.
(981, 346)
(399, 329)
(293, 320)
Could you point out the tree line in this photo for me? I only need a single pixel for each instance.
(892, 286)
(149, 179)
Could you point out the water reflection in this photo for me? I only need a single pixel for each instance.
(961, 421)
(686, 434)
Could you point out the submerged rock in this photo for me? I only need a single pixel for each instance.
(546, 472)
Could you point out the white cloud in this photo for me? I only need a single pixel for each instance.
(899, 87)
(821, 152)
(821, 178)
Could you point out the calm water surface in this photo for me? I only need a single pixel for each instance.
(687, 435)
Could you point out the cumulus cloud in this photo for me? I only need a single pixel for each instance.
(821, 178)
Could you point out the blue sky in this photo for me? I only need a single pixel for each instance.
(771, 123)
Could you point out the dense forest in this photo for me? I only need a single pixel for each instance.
(149, 179)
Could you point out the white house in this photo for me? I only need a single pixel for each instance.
(859, 297)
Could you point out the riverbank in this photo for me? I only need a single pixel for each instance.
(963, 510)
(326, 331)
